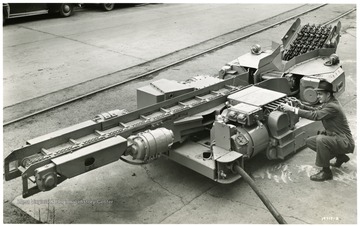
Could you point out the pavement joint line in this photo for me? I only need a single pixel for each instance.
(24, 43)
(139, 58)
(153, 180)
(75, 40)
(257, 207)
(347, 102)
(106, 28)
(172, 214)
(159, 10)
(99, 47)
(296, 218)
(345, 32)
(197, 196)
(244, 203)
(350, 34)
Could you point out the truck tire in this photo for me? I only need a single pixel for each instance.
(66, 9)
(107, 6)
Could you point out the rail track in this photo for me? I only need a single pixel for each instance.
(169, 65)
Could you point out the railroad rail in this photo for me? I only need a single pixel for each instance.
(148, 73)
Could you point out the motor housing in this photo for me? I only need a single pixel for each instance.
(150, 144)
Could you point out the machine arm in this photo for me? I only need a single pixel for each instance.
(144, 134)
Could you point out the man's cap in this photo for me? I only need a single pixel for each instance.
(325, 86)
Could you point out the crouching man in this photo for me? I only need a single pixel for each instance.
(336, 140)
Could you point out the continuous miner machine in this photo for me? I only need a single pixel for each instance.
(210, 124)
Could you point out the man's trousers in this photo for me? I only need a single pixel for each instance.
(328, 147)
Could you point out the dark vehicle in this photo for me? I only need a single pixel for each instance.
(15, 10)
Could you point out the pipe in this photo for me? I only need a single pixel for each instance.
(261, 195)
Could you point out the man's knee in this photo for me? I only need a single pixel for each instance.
(308, 141)
(311, 142)
(326, 141)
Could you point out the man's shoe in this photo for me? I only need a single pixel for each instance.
(322, 176)
(340, 160)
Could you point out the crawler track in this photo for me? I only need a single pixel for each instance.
(171, 64)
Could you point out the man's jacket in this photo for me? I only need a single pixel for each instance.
(333, 119)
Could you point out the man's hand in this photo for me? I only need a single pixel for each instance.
(298, 103)
(295, 102)
(286, 107)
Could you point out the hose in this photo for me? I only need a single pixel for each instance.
(261, 195)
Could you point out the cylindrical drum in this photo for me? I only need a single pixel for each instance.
(257, 139)
(151, 143)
